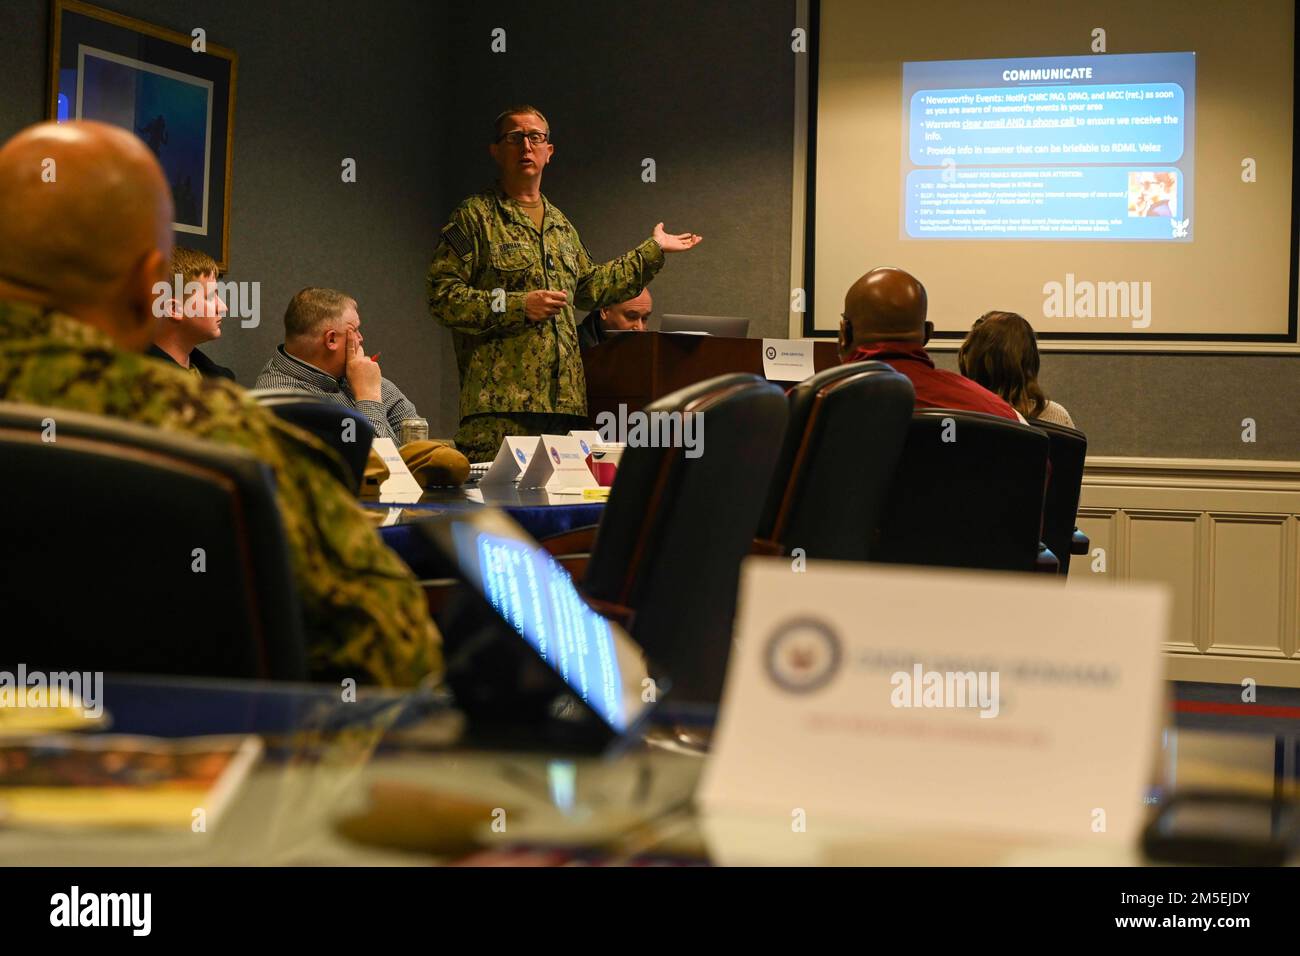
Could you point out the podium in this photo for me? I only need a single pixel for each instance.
(635, 368)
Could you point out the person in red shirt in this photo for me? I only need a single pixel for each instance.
(884, 319)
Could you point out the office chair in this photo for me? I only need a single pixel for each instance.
(666, 559)
(967, 493)
(1067, 450)
(326, 420)
(846, 430)
(137, 550)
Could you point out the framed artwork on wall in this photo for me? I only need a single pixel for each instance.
(175, 91)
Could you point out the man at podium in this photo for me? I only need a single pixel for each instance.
(506, 276)
(629, 316)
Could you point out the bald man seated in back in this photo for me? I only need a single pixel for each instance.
(80, 257)
(885, 320)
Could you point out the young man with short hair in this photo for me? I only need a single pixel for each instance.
(195, 318)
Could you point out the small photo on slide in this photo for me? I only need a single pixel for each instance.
(1152, 194)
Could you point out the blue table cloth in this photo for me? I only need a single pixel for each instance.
(540, 514)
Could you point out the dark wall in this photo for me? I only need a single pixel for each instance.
(1177, 406)
(317, 82)
(706, 90)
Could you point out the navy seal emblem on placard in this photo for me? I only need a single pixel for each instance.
(771, 352)
(802, 655)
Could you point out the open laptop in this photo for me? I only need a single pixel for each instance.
(724, 326)
(529, 661)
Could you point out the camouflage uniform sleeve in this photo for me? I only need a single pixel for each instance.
(617, 280)
(365, 613)
(454, 300)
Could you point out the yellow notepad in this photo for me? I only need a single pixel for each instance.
(39, 715)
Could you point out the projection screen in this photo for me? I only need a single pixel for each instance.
(1120, 175)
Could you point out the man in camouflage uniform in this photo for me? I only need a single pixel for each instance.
(79, 259)
(506, 278)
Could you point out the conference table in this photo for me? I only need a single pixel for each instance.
(539, 512)
(388, 779)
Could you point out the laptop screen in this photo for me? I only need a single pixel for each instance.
(601, 665)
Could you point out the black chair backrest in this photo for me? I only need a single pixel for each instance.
(137, 550)
(327, 421)
(846, 430)
(676, 528)
(967, 493)
(1069, 448)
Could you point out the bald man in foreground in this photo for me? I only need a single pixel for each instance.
(884, 319)
(79, 258)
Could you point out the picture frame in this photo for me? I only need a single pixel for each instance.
(175, 91)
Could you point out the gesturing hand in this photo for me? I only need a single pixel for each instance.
(542, 304)
(675, 243)
(361, 372)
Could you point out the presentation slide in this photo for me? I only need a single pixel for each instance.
(1119, 178)
(537, 597)
(1083, 147)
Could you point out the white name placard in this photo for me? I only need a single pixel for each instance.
(400, 486)
(787, 360)
(933, 701)
(512, 460)
(558, 465)
(586, 440)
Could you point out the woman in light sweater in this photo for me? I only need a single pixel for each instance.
(1001, 353)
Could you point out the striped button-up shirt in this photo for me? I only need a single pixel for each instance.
(284, 371)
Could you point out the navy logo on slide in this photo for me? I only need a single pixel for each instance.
(771, 352)
(802, 655)
(519, 453)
